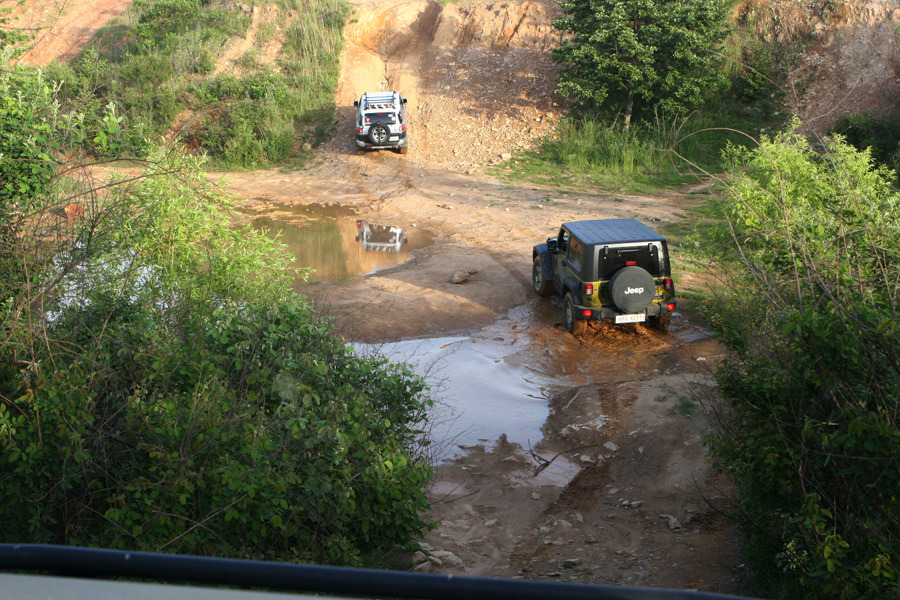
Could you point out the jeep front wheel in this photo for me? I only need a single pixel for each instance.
(574, 325)
(378, 134)
(540, 283)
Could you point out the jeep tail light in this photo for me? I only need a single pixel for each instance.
(359, 130)
(630, 263)
(586, 312)
(589, 289)
(668, 284)
(403, 128)
(670, 306)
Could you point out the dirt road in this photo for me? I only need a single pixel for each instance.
(617, 491)
(627, 497)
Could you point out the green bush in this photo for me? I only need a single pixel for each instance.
(259, 436)
(163, 18)
(811, 436)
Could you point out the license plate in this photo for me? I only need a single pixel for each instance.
(638, 318)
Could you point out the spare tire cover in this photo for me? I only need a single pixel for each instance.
(632, 289)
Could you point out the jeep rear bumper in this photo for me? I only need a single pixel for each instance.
(607, 314)
(394, 141)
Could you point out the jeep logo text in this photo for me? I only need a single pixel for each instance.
(632, 290)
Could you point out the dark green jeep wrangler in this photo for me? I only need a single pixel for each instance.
(607, 269)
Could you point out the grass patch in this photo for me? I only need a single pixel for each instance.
(649, 156)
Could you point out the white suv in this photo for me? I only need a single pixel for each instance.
(381, 122)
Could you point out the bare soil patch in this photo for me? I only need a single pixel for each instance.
(61, 28)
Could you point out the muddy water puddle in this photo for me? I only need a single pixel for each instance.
(335, 243)
(479, 392)
(500, 381)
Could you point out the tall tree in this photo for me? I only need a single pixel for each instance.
(625, 56)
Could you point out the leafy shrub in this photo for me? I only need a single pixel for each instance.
(165, 17)
(258, 436)
(811, 436)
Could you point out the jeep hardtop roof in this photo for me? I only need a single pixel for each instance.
(612, 231)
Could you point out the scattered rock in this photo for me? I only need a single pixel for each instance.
(418, 558)
(610, 446)
(490, 522)
(306, 147)
(460, 276)
(673, 522)
(535, 495)
(586, 458)
(446, 556)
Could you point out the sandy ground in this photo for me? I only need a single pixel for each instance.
(618, 490)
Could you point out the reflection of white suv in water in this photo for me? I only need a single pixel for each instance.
(382, 238)
(381, 122)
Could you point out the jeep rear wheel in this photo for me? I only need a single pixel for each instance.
(541, 285)
(632, 289)
(378, 133)
(574, 325)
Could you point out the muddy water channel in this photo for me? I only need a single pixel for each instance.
(337, 245)
(500, 381)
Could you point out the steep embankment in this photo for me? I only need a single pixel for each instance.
(478, 76)
(849, 60)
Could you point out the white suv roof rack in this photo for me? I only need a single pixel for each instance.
(380, 100)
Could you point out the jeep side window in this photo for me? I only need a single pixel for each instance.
(576, 254)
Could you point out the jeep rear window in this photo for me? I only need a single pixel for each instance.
(380, 118)
(611, 258)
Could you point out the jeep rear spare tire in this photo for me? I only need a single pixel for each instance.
(632, 289)
(378, 134)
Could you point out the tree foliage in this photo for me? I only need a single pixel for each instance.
(161, 388)
(12, 38)
(812, 437)
(636, 56)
